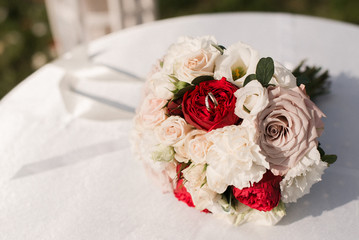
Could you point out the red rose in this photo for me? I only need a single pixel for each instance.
(174, 108)
(196, 113)
(182, 195)
(263, 196)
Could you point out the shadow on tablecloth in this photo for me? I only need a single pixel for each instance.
(339, 185)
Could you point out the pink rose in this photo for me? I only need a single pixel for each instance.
(288, 128)
(152, 112)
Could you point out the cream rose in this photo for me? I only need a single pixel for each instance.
(234, 158)
(299, 179)
(196, 185)
(288, 128)
(172, 130)
(191, 57)
(193, 147)
(198, 147)
(251, 99)
(160, 85)
(238, 61)
(151, 112)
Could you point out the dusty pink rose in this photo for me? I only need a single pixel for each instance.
(288, 127)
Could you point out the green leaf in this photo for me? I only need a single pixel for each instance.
(204, 182)
(180, 84)
(173, 78)
(330, 159)
(319, 82)
(249, 78)
(181, 92)
(265, 70)
(200, 79)
(321, 151)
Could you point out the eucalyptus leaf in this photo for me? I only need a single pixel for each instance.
(200, 79)
(330, 159)
(265, 70)
(249, 78)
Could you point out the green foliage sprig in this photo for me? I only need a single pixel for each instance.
(315, 80)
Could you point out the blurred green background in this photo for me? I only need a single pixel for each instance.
(26, 42)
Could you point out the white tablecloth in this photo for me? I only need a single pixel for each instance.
(66, 170)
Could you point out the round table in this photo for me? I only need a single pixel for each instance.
(66, 170)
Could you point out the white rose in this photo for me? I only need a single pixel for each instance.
(151, 113)
(172, 130)
(162, 173)
(191, 57)
(299, 179)
(238, 61)
(251, 100)
(283, 77)
(196, 185)
(160, 85)
(190, 143)
(234, 158)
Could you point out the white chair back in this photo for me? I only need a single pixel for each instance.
(74, 22)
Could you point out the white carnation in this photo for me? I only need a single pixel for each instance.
(268, 218)
(223, 209)
(231, 211)
(238, 61)
(299, 179)
(234, 158)
(251, 99)
(191, 57)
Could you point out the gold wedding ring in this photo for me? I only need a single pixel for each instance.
(213, 99)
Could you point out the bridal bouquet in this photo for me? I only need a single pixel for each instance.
(229, 133)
